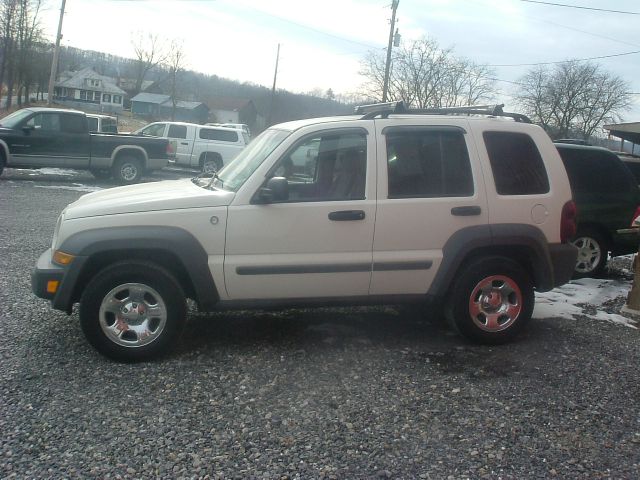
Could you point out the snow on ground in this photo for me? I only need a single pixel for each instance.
(76, 187)
(584, 298)
(47, 171)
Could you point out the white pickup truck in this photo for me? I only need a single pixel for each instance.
(199, 146)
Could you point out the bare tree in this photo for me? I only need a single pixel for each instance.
(176, 64)
(425, 75)
(150, 52)
(572, 96)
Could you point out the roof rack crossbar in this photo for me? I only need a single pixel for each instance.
(383, 110)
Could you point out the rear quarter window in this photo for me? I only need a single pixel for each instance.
(219, 135)
(595, 171)
(516, 163)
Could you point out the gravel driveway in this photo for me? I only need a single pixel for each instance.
(334, 393)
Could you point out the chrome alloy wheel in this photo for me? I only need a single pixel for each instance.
(128, 171)
(589, 254)
(132, 315)
(495, 303)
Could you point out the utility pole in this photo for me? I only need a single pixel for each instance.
(387, 68)
(56, 54)
(273, 89)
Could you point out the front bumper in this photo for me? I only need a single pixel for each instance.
(46, 271)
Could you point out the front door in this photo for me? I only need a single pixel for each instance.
(317, 242)
(39, 143)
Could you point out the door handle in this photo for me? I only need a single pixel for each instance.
(346, 215)
(184, 143)
(466, 211)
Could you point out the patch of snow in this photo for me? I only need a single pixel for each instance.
(76, 187)
(48, 171)
(564, 301)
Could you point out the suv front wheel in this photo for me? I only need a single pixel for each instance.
(491, 300)
(132, 311)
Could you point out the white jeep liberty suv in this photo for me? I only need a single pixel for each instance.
(468, 205)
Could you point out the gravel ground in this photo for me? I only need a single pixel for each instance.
(335, 393)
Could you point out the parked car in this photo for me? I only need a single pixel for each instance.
(633, 164)
(199, 146)
(239, 126)
(475, 211)
(102, 123)
(607, 198)
(52, 137)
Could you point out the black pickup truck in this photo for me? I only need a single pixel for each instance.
(52, 137)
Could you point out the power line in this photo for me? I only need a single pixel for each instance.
(553, 4)
(635, 52)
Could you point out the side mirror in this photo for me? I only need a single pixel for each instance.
(275, 190)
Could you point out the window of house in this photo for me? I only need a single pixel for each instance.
(46, 122)
(96, 96)
(117, 99)
(517, 166)
(177, 131)
(326, 167)
(83, 94)
(427, 162)
(218, 135)
(106, 98)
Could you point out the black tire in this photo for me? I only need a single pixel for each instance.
(101, 174)
(210, 160)
(491, 300)
(593, 251)
(127, 170)
(133, 311)
(3, 161)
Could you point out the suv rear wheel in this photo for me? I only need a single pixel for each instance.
(592, 253)
(491, 300)
(132, 311)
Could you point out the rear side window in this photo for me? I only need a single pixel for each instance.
(177, 131)
(594, 171)
(428, 163)
(219, 135)
(93, 124)
(516, 163)
(73, 123)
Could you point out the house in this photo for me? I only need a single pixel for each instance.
(87, 90)
(158, 106)
(234, 110)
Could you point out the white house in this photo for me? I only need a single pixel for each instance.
(89, 90)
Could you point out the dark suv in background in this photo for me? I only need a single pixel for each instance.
(608, 198)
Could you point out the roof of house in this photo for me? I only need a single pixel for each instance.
(228, 103)
(165, 101)
(627, 131)
(69, 79)
(156, 98)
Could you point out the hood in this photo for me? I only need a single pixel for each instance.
(146, 197)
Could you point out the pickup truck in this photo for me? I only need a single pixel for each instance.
(52, 137)
(204, 147)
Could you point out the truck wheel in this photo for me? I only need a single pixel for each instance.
(127, 170)
(592, 254)
(211, 163)
(491, 300)
(133, 311)
(101, 174)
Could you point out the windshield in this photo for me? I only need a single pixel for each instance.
(12, 120)
(234, 174)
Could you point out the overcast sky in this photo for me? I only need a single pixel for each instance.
(323, 42)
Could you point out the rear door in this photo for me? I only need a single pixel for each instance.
(75, 139)
(430, 187)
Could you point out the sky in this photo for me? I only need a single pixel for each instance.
(323, 42)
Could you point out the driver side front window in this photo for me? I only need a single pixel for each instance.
(327, 167)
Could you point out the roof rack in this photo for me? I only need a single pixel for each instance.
(383, 110)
